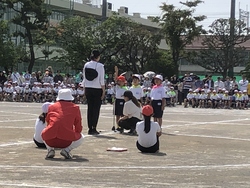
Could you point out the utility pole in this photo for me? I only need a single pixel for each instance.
(232, 27)
(104, 10)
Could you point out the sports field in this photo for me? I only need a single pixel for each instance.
(198, 148)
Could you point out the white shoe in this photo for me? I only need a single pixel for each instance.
(67, 155)
(51, 154)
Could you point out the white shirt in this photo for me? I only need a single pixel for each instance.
(147, 139)
(226, 97)
(218, 84)
(98, 82)
(119, 91)
(137, 92)
(39, 126)
(243, 84)
(131, 110)
(158, 93)
(190, 96)
(214, 97)
(80, 91)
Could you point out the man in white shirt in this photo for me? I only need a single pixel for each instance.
(243, 83)
(14, 76)
(218, 84)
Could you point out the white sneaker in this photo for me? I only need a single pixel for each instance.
(67, 155)
(51, 154)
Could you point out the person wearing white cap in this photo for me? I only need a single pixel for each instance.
(158, 99)
(136, 88)
(226, 100)
(245, 99)
(64, 125)
(40, 125)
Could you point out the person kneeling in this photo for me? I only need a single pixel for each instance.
(148, 132)
(64, 125)
(131, 112)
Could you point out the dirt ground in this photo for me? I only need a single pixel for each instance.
(198, 148)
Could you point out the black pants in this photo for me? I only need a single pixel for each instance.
(94, 101)
(128, 124)
(40, 145)
(151, 149)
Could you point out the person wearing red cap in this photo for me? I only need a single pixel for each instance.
(148, 132)
(119, 99)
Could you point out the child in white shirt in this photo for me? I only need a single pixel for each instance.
(148, 132)
(40, 125)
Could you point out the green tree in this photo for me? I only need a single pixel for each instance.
(218, 47)
(75, 37)
(32, 16)
(10, 54)
(161, 63)
(126, 43)
(180, 27)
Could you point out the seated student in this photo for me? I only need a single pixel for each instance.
(64, 125)
(202, 99)
(226, 100)
(245, 99)
(148, 132)
(131, 112)
(40, 125)
(189, 100)
(214, 98)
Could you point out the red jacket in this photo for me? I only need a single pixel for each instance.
(63, 121)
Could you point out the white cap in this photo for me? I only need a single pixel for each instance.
(158, 76)
(137, 76)
(65, 94)
(45, 107)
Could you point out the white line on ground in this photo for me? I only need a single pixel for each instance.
(18, 113)
(29, 142)
(208, 122)
(16, 120)
(216, 137)
(187, 167)
(28, 185)
(16, 144)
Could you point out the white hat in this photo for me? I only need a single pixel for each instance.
(137, 76)
(159, 77)
(65, 94)
(45, 107)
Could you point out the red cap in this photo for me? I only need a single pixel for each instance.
(121, 78)
(147, 110)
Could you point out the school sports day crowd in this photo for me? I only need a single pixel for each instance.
(188, 90)
(135, 100)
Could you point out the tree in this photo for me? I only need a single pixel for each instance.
(161, 63)
(180, 27)
(32, 16)
(10, 54)
(218, 47)
(75, 37)
(126, 43)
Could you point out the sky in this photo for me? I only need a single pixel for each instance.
(213, 9)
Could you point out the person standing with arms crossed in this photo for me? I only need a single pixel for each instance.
(93, 82)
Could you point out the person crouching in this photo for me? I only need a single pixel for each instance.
(148, 132)
(64, 125)
(131, 112)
